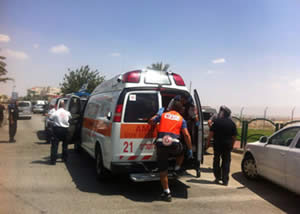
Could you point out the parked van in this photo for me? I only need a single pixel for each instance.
(207, 113)
(24, 108)
(115, 128)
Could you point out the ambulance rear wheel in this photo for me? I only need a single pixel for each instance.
(101, 172)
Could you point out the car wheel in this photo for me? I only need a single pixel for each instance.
(249, 167)
(101, 172)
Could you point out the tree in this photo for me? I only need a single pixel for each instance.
(74, 80)
(3, 71)
(159, 66)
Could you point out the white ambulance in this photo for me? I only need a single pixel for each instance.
(115, 131)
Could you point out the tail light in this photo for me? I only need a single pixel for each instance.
(132, 76)
(118, 113)
(178, 80)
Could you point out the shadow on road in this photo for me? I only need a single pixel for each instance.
(4, 141)
(41, 135)
(283, 199)
(196, 181)
(42, 143)
(81, 168)
(46, 160)
(207, 170)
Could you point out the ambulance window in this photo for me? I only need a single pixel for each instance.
(140, 107)
(74, 106)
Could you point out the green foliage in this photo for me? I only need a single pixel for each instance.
(159, 66)
(3, 71)
(255, 134)
(74, 80)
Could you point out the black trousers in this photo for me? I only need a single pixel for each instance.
(60, 134)
(221, 170)
(12, 130)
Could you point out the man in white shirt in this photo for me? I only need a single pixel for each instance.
(49, 124)
(61, 124)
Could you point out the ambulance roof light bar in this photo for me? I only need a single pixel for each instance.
(178, 79)
(132, 76)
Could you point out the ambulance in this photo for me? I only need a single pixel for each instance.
(115, 129)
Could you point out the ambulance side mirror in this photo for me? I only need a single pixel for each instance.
(108, 116)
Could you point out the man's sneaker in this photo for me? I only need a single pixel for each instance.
(225, 183)
(179, 172)
(166, 197)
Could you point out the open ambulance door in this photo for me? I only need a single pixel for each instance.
(199, 134)
(197, 140)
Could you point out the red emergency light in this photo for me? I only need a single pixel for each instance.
(118, 113)
(178, 79)
(132, 76)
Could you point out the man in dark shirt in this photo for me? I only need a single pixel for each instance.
(224, 132)
(13, 114)
(2, 109)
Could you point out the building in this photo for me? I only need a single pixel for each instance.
(44, 91)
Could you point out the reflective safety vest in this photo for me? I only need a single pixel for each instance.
(170, 123)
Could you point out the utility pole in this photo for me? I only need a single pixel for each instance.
(265, 115)
(292, 117)
(190, 86)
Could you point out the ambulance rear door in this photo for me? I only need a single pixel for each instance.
(136, 135)
(199, 135)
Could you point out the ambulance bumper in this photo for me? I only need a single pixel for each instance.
(144, 177)
(132, 167)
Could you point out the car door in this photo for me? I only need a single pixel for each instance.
(74, 107)
(198, 139)
(293, 166)
(276, 151)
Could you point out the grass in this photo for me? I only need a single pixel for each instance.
(255, 134)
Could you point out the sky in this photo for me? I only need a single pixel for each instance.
(237, 53)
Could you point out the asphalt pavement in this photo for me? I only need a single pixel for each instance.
(29, 184)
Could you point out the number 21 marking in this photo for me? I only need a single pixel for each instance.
(126, 145)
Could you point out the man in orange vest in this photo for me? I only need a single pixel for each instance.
(171, 126)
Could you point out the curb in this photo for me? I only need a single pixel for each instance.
(238, 150)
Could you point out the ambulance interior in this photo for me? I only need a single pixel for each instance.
(167, 96)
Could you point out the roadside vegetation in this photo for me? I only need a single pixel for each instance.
(255, 134)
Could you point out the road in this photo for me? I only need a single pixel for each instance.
(28, 184)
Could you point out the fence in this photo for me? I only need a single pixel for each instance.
(245, 124)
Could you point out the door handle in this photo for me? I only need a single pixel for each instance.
(282, 153)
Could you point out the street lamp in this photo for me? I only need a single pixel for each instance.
(292, 117)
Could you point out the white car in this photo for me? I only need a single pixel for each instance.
(276, 158)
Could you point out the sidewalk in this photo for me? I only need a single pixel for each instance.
(237, 147)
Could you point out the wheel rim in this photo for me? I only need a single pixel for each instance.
(250, 168)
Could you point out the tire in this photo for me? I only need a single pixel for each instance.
(249, 167)
(77, 147)
(102, 173)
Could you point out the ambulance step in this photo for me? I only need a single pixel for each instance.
(144, 177)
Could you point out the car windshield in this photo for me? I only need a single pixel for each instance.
(22, 104)
(207, 115)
